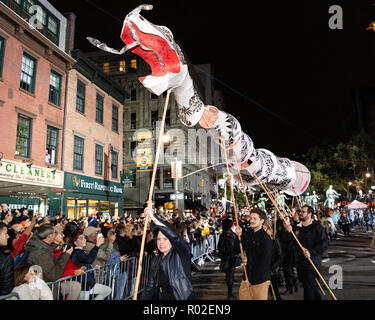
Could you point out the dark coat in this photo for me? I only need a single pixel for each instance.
(314, 239)
(277, 257)
(81, 258)
(176, 266)
(6, 273)
(41, 254)
(259, 249)
(229, 247)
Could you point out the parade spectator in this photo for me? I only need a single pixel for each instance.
(170, 271)
(6, 263)
(259, 250)
(85, 259)
(313, 238)
(70, 289)
(40, 248)
(229, 249)
(344, 223)
(29, 284)
(8, 219)
(4, 211)
(20, 237)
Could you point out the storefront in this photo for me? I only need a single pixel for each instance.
(28, 186)
(84, 196)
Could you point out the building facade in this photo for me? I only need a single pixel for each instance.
(92, 151)
(34, 70)
(143, 113)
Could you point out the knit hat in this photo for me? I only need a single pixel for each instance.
(90, 230)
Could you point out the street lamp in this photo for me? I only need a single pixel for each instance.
(368, 174)
(166, 138)
(350, 183)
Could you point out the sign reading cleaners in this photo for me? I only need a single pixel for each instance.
(18, 172)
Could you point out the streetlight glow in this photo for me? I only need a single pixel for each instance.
(165, 138)
(368, 175)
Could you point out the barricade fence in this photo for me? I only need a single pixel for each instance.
(117, 281)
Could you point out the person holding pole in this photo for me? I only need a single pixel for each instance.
(170, 271)
(258, 246)
(314, 241)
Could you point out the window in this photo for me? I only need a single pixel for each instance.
(133, 63)
(81, 96)
(122, 66)
(46, 22)
(23, 136)
(114, 118)
(133, 120)
(133, 93)
(78, 153)
(106, 67)
(28, 73)
(98, 159)
(99, 108)
(133, 146)
(167, 179)
(168, 118)
(154, 118)
(51, 147)
(2, 46)
(55, 88)
(114, 164)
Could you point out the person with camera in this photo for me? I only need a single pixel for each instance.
(82, 258)
(40, 248)
(69, 289)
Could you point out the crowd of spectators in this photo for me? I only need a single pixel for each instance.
(60, 248)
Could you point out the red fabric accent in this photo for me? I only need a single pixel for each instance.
(307, 182)
(19, 245)
(160, 45)
(69, 267)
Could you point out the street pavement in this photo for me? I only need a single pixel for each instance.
(351, 255)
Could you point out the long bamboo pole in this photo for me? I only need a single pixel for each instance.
(293, 234)
(151, 191)
(234, 205)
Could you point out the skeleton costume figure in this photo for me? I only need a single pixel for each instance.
(155, 45)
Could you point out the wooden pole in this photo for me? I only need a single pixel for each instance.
(273, 292)
(151, 191)
(321, 289)
(293, 234)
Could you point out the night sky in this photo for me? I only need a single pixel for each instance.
(286, 76)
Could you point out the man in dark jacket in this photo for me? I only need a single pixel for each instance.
(314, 241)
(6, 263)
(259, 250)
(229, 248)
(40, 248)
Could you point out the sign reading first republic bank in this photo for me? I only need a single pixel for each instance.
(18, 172)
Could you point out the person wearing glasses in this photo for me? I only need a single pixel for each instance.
(170, 270)
(40, 248)
(313, 238)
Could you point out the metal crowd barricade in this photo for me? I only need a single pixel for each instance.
(10, 296)
(117, 282)
(203, 249)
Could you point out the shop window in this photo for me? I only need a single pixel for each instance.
(55, 88)
(78, 153)
(98, 159)
(99, 108)
(51, 147)
(28, 72)
(114, 165)
(81, 96)
(114, 118)
(23, 140)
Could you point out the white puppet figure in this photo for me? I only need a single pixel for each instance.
(331, 195)
(262, 202)
(281, 200)
(314, 200)
(155, 44)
